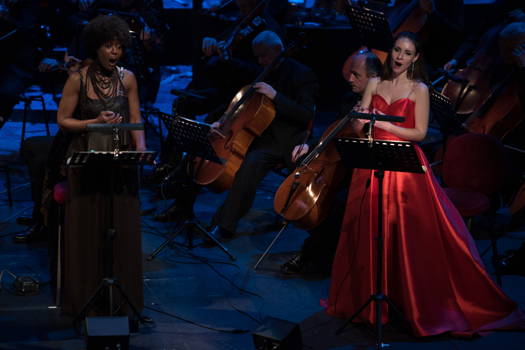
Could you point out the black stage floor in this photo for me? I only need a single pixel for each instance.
(198, 298)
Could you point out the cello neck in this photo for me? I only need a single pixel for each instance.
(264, 73)
(341, 124)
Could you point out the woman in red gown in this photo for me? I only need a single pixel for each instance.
(431, 269)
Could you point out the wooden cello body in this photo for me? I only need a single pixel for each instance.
(246, 118)
(470, 88)
(500, 114)
(232, 140)
(305, 196)
(491, 97)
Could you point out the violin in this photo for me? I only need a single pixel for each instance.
(304, 197)
(249, 24)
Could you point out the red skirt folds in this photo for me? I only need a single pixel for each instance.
(432, 269)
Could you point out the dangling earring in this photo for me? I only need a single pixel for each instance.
(412, 71)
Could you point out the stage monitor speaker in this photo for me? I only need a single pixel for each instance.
(277, 334)
(108, 332)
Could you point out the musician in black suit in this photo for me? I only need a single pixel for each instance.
(215, 77)
(318, 249)
(293, 88)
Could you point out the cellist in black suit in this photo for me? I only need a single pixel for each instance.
(292, 87)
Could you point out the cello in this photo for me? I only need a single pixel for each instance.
(304, 196)
(470, 87)
(246, 118)
(499, 111)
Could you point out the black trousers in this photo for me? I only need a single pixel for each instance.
(35, 151)
(259, 160)
(320, 246)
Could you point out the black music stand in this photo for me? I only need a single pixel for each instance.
(108, 160)
(372, 26)
(191, 137)
(380, 156)
(443, 113)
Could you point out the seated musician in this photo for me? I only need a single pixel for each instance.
(512, 50)
(483, 38)
(318, 250)
(293, 88)
(214, 77)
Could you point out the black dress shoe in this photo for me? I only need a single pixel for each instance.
(293, 266)
(25, 220)
(298, 265)
(512, 263)
(34, 233)
(146, 319)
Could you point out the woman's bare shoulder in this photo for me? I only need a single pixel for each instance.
(128, 77)
(374, 81)
(421, 88)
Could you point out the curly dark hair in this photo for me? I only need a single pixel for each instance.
(104, 29)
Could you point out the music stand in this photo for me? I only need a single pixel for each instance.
(381, 156)
(443, 112)
(109, 160)
(191, 137)
(372, 26)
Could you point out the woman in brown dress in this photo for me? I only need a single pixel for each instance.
(101, 92)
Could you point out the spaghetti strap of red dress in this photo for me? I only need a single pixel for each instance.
(432, 270)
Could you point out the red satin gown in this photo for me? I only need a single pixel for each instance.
(432, 269)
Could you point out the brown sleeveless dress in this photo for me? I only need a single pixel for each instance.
(87, 217)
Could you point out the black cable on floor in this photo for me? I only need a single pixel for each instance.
(222, 330)
(245, 313)
(205, 261)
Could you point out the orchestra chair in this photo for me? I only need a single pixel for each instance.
(473, 172)
(33, 93)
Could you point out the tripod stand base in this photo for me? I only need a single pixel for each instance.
(108, 284)
(377, 299)
(190, 226)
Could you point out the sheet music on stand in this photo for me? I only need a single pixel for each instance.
(373, 26)
(441, 104)
(122, 157)
(390, 155)
(191, 136)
